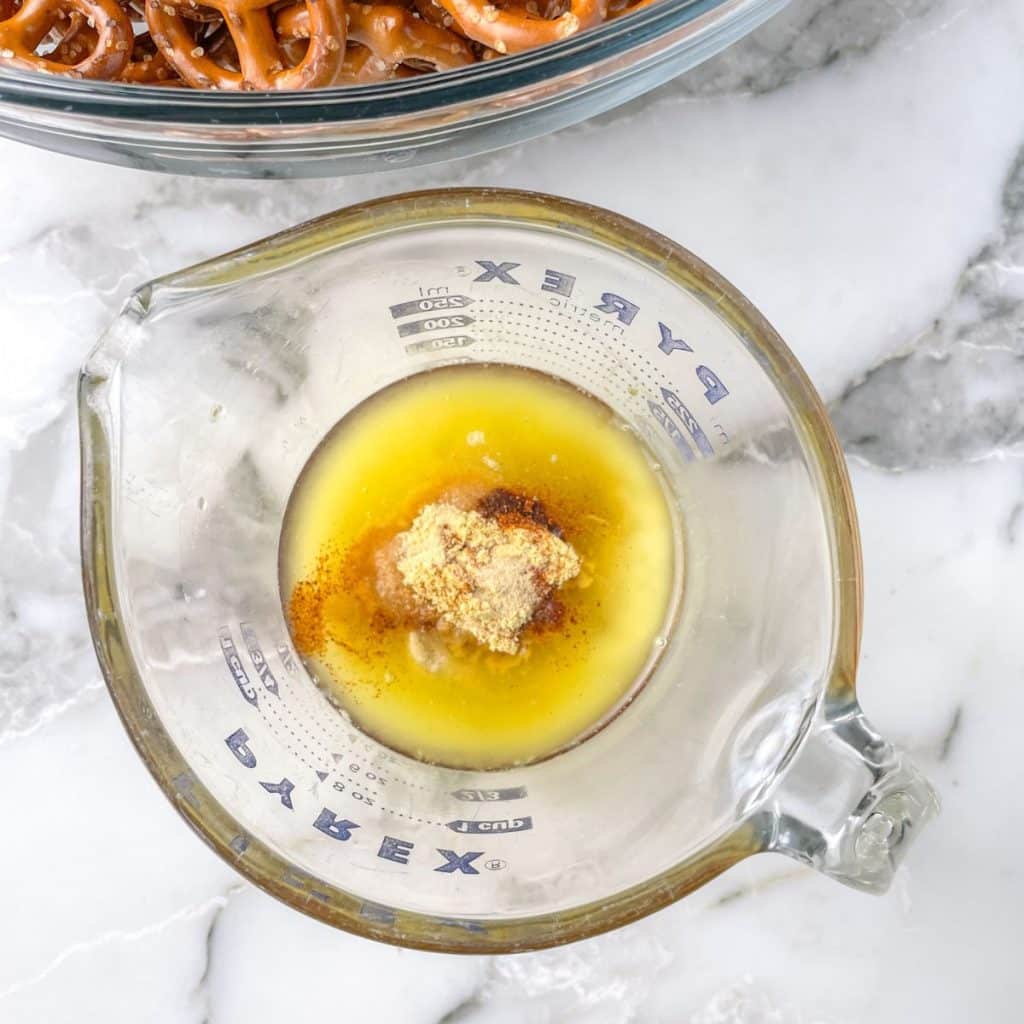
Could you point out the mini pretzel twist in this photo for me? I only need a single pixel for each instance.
(146, 65)
(24, 29)
(72, 39)
(617, 8)
(393, 36)
(363, 67)
(360, 66)
(262, 63)
(433, 12)
(511, 30)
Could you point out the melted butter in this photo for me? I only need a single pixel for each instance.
(465, 431)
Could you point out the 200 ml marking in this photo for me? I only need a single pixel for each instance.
(434, 323)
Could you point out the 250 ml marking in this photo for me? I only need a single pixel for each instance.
(430, 305)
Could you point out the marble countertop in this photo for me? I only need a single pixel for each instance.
(857, 168)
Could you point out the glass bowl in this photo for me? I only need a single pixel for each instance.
(357, 129)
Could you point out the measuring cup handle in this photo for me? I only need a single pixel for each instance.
(850, 804)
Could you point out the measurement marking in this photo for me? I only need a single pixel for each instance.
(546, 334)
(274, 723)
(487, 795)
(435, 344)
(675, 403)
(287, 660)
(235, 666)
(491, 827)
(596, 331)
(674, 433)
(430, 304)
(410, 817)
(288, 684)
(259, 662)
(435, 323)
(320, 739)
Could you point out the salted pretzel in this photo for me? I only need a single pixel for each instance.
(393, 35)
(148, 65)
(72, 40)
(360, 66)
(513, 30)
(617, 8)
(430, 10)
(262, 64)
(24, 29)
(75, 38)
(363, 67)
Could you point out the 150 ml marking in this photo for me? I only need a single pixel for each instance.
(437, 344)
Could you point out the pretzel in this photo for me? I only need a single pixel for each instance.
(512, 31)
(433, 12)
(617, 8)
(262, 62)
(281, 44)
(393, 35)
(146, 66)
(363, 67)
(72, 39)
(24, 29)
(360, 66)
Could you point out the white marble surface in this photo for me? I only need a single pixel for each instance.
(857, 168)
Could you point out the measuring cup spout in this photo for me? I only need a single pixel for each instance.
(850, 804)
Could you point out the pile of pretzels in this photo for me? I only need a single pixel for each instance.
(279, 44)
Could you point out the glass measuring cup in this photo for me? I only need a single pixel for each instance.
(200, 407)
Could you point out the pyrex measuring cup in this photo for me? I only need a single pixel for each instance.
(199, 409)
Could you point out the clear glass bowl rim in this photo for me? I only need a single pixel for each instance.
(363, 222)
(361, 103)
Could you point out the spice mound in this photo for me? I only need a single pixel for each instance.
(488, 575)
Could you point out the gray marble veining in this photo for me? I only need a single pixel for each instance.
(956, 393)
(806, 36)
